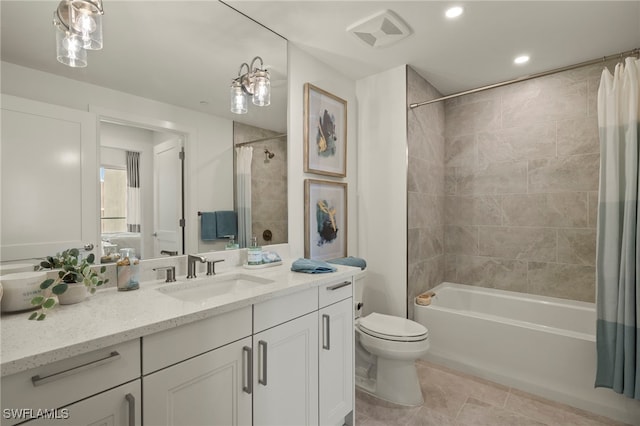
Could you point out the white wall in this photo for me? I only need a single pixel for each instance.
(209, 147)
(303, 68)
(382, 189)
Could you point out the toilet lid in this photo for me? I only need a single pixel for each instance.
(393, 328)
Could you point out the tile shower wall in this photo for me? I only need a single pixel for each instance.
(521, 166)
(425, 186)
(268, 183)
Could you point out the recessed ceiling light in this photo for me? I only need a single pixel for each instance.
(522, 59)
(454, 12)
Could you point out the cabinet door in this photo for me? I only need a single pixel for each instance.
(285, 369)
(49, 176)
(336, 362)
(210, 389)
(116, 407)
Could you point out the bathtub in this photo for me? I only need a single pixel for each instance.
(541, 345)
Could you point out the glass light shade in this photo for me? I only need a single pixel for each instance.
(69, 49)
(239, 101)
(85, 20)
(261, 88)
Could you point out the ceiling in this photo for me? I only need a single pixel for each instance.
(186, 52)
(470, 51)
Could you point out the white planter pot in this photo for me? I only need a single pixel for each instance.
(76, 293)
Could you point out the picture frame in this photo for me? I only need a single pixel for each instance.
(325, 132)
(325, 219)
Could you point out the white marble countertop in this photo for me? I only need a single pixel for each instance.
(110, 317)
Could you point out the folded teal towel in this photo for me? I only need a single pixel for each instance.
(309, 266)
(208, 230)
(350, 261)
(226, 223)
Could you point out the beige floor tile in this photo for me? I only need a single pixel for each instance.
(429, 417)
(553, 413)
(376, 412)
(478, 413)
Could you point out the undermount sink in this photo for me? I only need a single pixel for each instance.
(203, 289)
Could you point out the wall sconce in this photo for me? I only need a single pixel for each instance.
(255, 82)
(78, 26)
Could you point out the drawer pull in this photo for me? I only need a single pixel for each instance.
(326, 331)
(37, 380)
(248, 368)
(337, 286)
(131, 400)
(262, 351)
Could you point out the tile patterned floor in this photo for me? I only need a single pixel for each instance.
(458, 399)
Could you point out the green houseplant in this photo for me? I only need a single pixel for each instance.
(71, 270)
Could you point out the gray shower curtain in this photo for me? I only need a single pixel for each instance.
(618, 247)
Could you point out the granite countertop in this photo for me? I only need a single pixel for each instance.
(110, 317)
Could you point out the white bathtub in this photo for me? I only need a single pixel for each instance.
(541, 345)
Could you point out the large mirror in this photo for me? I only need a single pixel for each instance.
(159, 86)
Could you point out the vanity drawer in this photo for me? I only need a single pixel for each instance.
(331, 293)
(64, 382)
(169, 347)
(282, 309)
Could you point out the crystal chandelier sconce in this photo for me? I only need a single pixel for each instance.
(78, 25)
(255, 82)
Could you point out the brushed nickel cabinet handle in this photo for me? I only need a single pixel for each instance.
(132, 408)
(326, 330)
(262, 353)
(337, 286)
(247, 369)
(38, 381)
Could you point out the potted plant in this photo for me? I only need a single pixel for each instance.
(75, 278)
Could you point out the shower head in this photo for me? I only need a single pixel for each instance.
(268, 154)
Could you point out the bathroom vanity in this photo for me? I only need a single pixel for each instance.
(273, 347)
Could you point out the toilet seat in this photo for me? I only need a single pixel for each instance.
(392, 328)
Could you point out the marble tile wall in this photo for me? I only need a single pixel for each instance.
(268, 183)
(425, 186)
(521, 182)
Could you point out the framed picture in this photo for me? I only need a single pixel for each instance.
(325, 219)
(325, 132)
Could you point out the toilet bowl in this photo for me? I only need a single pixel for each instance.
(386, 350)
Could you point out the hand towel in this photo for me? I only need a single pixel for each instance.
(350, 261)
(310, 266)
(226, 223)
(208, 229)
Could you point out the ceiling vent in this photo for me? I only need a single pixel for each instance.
(380, 30)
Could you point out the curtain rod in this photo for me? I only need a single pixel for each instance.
(633, 52)
(282, 135)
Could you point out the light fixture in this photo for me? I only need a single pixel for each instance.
(454, 12)
(78, 26)
(255, 82)
(522, 59)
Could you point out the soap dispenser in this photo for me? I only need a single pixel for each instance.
(254, 252)
(231, 245)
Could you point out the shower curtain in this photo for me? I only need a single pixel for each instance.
(618, 234)
(244, 156)
(133, 192)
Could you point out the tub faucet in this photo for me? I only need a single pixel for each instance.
(191, 264)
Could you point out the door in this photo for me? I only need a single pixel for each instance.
(49, 179)
(285, 379)
(210, 389)
(168, 196)
(116, 407)
(336, 362)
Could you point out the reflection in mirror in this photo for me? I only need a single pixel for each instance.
(265, 178)
(179, 80)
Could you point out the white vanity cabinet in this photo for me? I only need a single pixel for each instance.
(285, 362)
(336, 357)
(199, 374)
(105, 381)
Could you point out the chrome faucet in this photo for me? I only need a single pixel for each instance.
(191, 264)
(171, 273)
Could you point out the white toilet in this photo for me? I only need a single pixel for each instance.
(386, 350)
